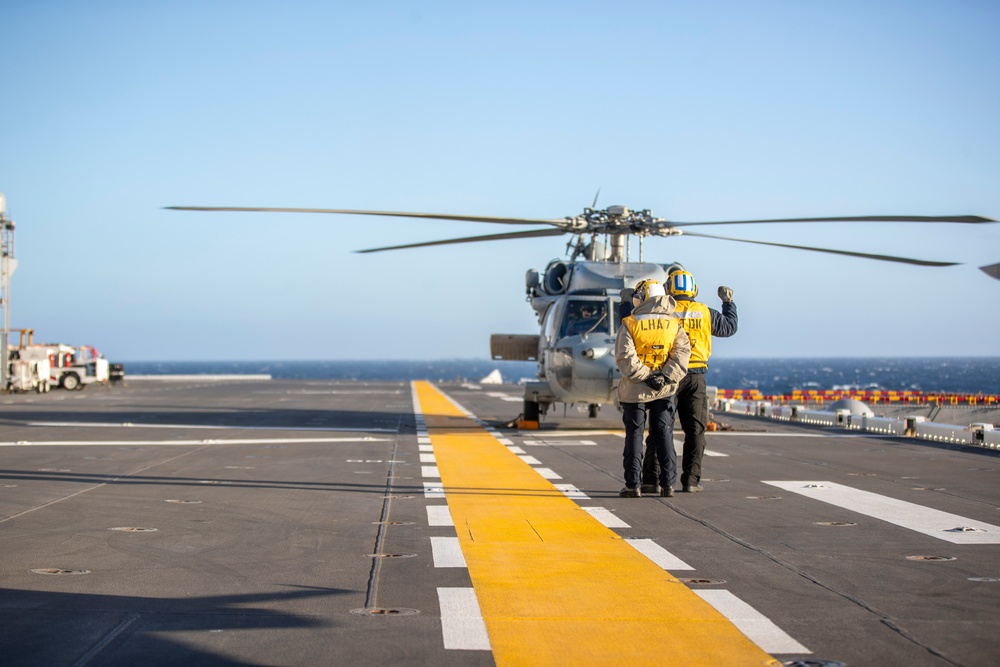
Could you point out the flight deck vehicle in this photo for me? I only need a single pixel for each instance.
(75, 367)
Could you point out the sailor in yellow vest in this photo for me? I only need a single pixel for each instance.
(652, 354)
(701, 323)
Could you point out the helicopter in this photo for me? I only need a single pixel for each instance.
(576, 300)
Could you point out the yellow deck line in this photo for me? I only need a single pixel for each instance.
(555, 586)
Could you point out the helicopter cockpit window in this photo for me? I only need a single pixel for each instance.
(549, 323)
(585, 316)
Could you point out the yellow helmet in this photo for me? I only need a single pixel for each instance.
(681, 283)
(645, 289)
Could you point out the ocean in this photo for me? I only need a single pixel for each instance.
(972, 375)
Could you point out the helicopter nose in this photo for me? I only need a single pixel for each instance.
(594, 360)
(595, 372)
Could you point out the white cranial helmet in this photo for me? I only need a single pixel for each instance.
(646, 289)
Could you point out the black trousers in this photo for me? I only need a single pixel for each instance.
(692, 411)
(660, 442)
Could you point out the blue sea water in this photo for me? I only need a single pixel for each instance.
(972, 375)
(975, 375)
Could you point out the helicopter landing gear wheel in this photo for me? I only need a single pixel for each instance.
(592, 410)
(531, 411)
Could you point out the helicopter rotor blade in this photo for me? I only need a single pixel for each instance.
(849, 253)
(533, 233)
(966, 219)
(992, 270)
(583, 224)
(392, 214)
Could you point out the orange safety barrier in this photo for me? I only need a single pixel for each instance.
(830, 395)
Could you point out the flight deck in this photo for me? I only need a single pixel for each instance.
(282, 522)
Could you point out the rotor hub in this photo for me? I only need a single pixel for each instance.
(618, 220)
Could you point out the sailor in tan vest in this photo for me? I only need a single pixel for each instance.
(652, 352)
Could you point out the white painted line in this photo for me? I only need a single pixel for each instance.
(530, 460)
(577, 434)
(208, 426)
(427, 458)
(547, 473)
(605, 517)
(447, 552)
(516, 450)
(572, 492)
(563, 443)
(423, 440)
(433, 490)
(757, 434)
(297, 392)
(505, 397)
(462, 625)
(439, 515)
(767, 434)
(899, 512)
(657, 554)
(758, 628)
(679, 448)
(505, 441)
(425, 448)
(187, 443)
(429, 471)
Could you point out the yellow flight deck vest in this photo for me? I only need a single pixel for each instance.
(698, 324)
(653, 335)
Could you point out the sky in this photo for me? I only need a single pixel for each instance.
(697, 110)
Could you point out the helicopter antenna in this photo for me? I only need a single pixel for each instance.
(594, 205)
(578, 247)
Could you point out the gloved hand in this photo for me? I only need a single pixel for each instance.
(626, 295)
(656, 381)
(726, 294)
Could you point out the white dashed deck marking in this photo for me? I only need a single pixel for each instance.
(657, 554)
(462, 625)
(606, 517)
(439, 515)
(757, 627)
(447, 552)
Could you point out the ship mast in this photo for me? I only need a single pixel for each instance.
(7, 265)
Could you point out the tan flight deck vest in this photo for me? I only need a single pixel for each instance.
(653, 335)
(698, 324)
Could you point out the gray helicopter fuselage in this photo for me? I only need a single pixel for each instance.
(577, 304)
